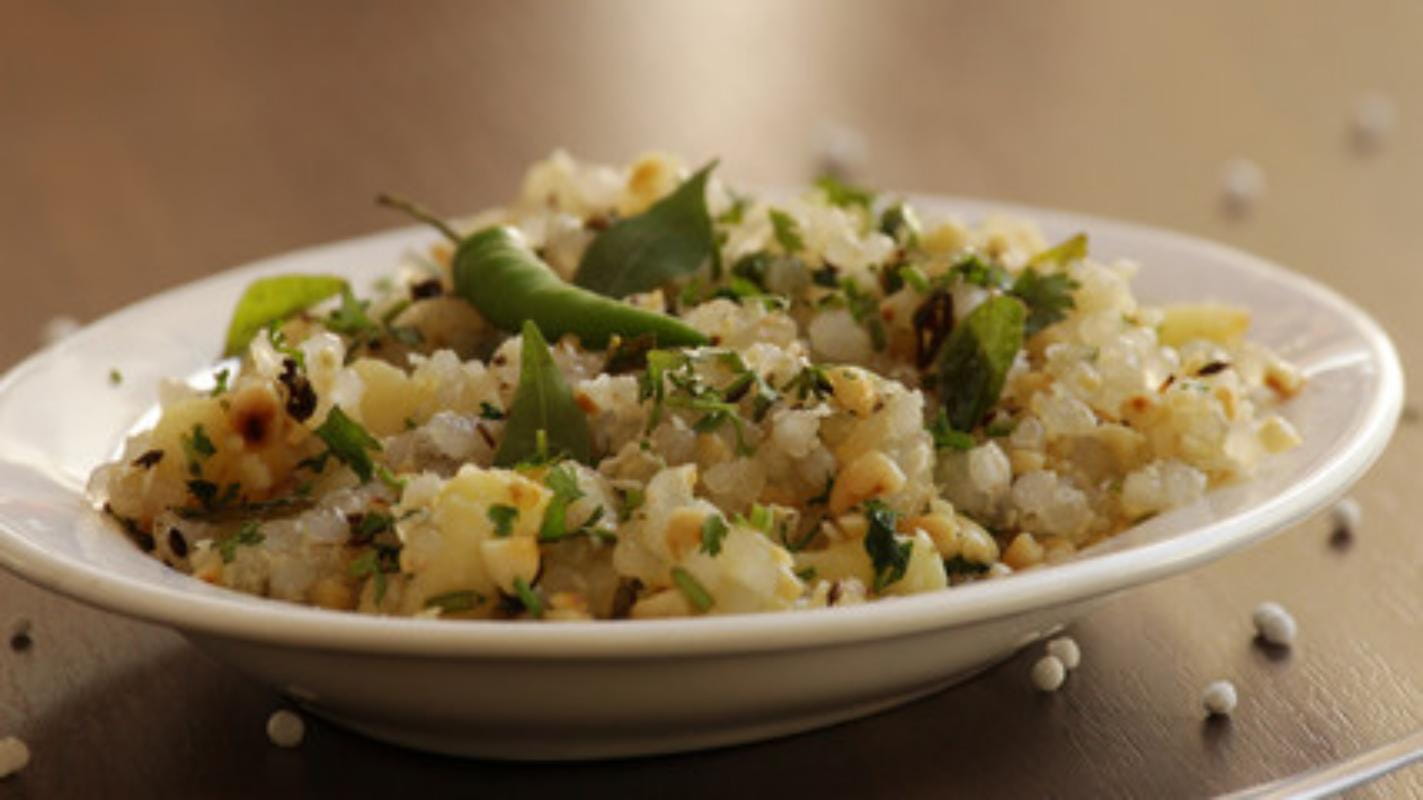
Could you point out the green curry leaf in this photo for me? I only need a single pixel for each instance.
(273, 299)
(543, 408)
(975, 360)
(672, 238)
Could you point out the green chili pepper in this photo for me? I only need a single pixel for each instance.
(497, 273)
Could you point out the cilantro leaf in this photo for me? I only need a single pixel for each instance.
(1048, 297)
(531, 601)
(787, 231)
(838, 193)
(269, 300)
(714, 530)
(348, 442)
(456, 601)
(672, 238)
(564, 484)
(198, 448)
(543, 410)
(945, 437)
(888, 553)
(692, 589)
(502, 518)
(249, 534)
(350, 317)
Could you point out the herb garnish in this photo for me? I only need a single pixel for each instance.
(502, 518)
(714, 530)
(1048, 297)
(944, 435)
(531, 601)
(350, 317)
(456, 601)
(787, 231)
(692, 589)
(198, 448)
(270, 300)
(958, 565)
(564, 484)
(838, 193)
(974, 362)
(348, 442)
(1073, 249)
(672, 238)
(488, 410)
(888, 553)
(543, 410)
(249, 534)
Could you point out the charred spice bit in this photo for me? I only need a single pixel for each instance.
(426, 289)
(1212, 368)
(933, 322)
(149, 459)
(1166, 384)
(301, 398)
(177, 543)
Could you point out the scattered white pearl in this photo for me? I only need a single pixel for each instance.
(14, 755)
(1274, 624)
(57, 328)
(1346, 515)
(285, 728)
(1375, 116)
(840, 150)
(1048, 674)
(1219, 697)
(1242, 185)
(1065, 649)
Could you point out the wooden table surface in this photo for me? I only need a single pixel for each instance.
(144, 146)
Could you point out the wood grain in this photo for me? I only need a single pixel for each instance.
(146, 145)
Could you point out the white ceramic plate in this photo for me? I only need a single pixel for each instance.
(604, 689)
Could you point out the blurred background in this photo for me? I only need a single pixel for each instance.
(146, 144)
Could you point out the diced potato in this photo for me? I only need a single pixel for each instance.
(1223, 324)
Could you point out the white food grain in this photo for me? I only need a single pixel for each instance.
(1346, 515)
(1274, 624)
(285, 728)
(1048, 674)
(1242, 185)
(1065, 649)
(14, 755)
(1219, 698)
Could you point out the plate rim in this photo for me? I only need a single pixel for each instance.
(279, 623)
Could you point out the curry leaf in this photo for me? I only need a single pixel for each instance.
(975, 360)
(672, 238)
(269, 300)
(543, 409)
(1074, 249)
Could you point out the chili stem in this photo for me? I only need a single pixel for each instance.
(418, 212)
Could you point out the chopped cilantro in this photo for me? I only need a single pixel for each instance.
(371, 523)
(844, 195)
(787, 231)
(1047, 296)
(348, 442)
(632, 500)
(900, 223)
(367, 565)
(564, 484)
(531, 601)
(502, 518)
(456, 601)
(219, 382)
(115, 377)
(714, 530)
(249, 534)
(488, 410)
(973, 269)
(807, 574)
(761, 518)
(692, 589)
(810, 382)
(350, 317)
(915, 277)
(888, 553)
(198, 448)
(865, 308)
(736, 211)
(944, 435)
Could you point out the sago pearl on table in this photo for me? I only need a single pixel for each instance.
(1274, 624)
(1048, 674)
(1065, 649)
(1219, 698)
(285, 728)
